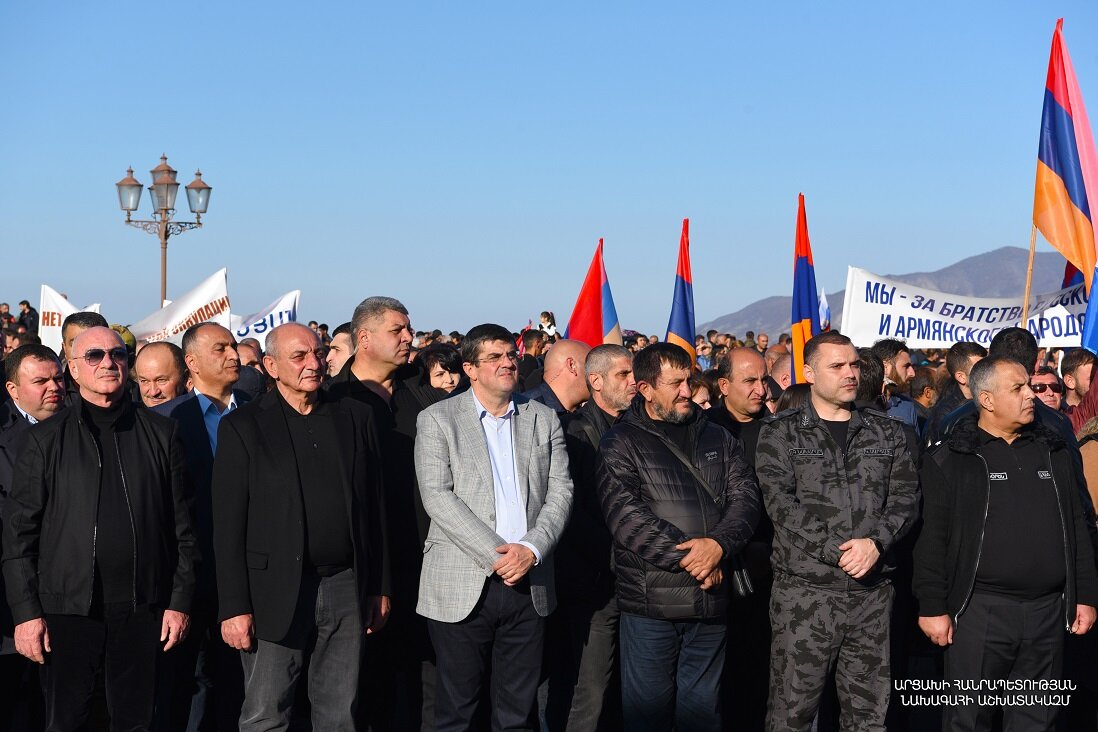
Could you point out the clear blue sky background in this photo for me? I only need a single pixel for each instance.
(466, 157)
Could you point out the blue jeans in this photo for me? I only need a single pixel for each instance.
(671, 673)
(271, 671)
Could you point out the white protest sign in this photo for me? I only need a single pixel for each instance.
(257, 325)
(209, 302)
(877, 307)
(53, 308)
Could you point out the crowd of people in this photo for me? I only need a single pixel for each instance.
(379, 528)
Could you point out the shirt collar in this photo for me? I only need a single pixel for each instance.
(26, 416)
(482, 412)
(204, 403)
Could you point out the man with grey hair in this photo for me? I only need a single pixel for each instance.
(299, 534)
(582, 634)
(1003, 544)
(381, 338)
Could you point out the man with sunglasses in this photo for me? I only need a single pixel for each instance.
(98, 544)
(493, 473)
(1048, 387)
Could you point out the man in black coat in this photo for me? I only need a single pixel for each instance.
(98, 544)
(28, 317)
(582, 634)
(1003, 563)
(679, 499)
(299, 537)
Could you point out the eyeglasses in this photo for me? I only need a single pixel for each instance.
(1040, 388)
(93, 356)
(494, 358)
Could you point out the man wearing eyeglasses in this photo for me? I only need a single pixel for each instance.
(98, 544)
(493, 474)
(1048, 387)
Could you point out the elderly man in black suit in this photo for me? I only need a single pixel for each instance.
(299, 538)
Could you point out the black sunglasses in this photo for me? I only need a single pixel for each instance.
(1040, 388)
(93, 356)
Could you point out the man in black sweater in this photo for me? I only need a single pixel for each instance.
(1003, 564)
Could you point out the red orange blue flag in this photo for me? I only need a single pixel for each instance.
(594, 319)
(680, 328)
(1067, 165)
(806, 305)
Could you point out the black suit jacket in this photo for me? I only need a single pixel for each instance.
(13, 428)
(259, 516)
(200, 459)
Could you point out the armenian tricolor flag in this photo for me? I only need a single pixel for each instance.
(1067, 165)
(680, 328)
(594, 319)
(806, 305)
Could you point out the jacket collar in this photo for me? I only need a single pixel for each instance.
(966, 437)
(808, 418)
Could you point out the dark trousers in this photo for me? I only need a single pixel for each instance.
(582, 650)
(201, 683)
(124, 642)
(332, 651)
(817, 629)
(1003, 638)
(403, 698)
(503, 637)
(671, 673)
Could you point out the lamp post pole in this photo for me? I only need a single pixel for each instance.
(163, 192)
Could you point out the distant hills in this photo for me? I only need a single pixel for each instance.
(999, 273)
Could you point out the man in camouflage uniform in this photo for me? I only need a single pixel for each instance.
(839, 485)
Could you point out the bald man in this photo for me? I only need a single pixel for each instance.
(160, 373)
(564, 384)
(299, 538)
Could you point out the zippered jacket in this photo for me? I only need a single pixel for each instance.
(956, 495)
(819, 496)
(652, 502)
(50, 515)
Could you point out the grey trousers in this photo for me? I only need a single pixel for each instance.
(334, 652)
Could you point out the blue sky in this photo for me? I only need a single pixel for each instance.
(466, 157)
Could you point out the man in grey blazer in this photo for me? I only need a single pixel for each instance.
(493, 474)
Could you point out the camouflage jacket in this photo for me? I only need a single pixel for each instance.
(818, 498)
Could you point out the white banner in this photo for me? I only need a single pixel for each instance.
(257, 325)
(877, 307)
(53, 308)
(209, 302)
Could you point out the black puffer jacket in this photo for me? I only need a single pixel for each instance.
(652, 502)
(50, 515)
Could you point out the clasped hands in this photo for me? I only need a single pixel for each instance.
(515, 562)
(702, 561)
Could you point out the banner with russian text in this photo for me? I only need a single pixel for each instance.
(53, 308)
(878, 307)
(258, 325)
(209, 301)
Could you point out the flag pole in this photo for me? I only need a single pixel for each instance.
(1029, 274)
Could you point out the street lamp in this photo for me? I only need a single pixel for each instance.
(163, 191)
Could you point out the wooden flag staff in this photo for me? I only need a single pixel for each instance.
(1029, 275)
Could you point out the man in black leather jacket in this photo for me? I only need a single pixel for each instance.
(98, 543)
(679, 499)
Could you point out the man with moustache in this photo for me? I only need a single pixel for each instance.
(299, 535)
(1003, 562)
(160, 372)
(741, 377)
(582, 633)
(840, 488)
(679, 500)
(98, 544)
(202, 682)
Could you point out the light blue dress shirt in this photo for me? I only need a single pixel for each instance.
(212, 417)
(510, 508)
